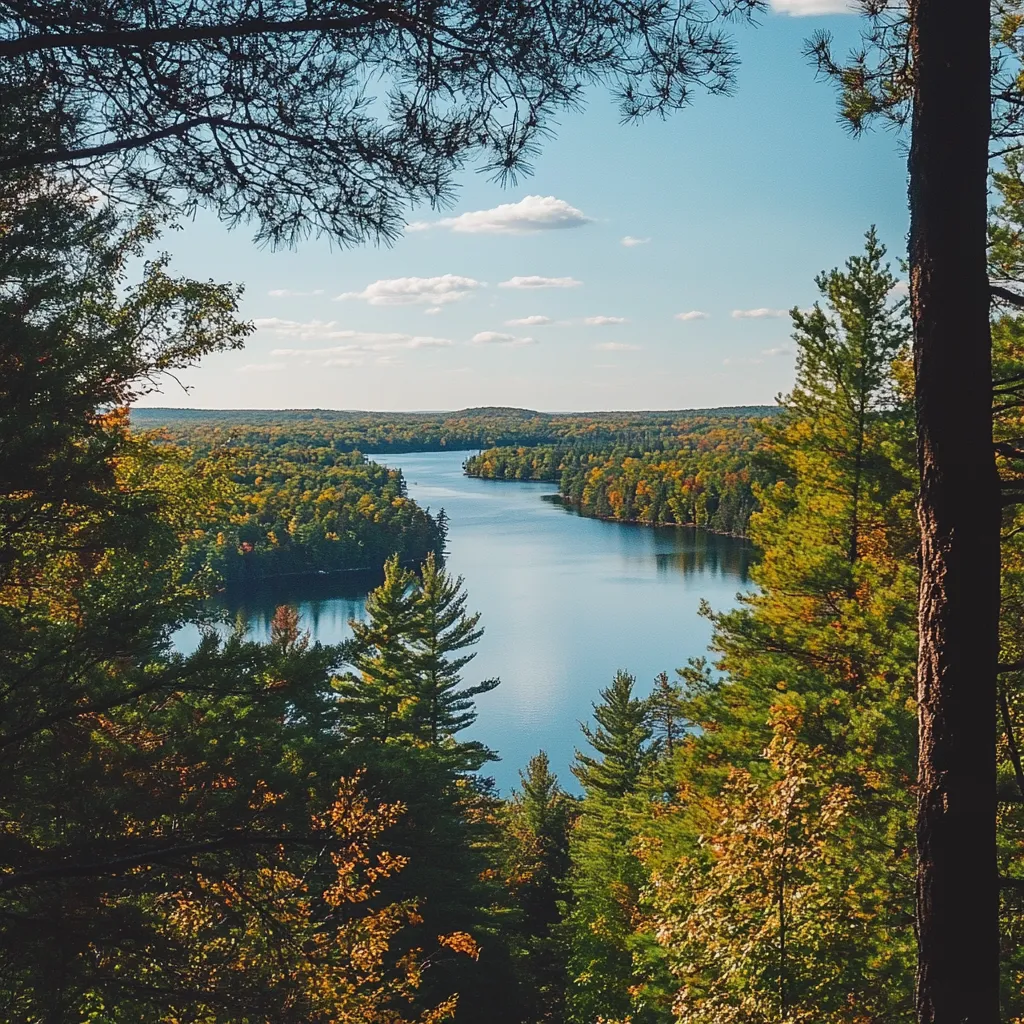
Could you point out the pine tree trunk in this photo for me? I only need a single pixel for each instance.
(958, 971)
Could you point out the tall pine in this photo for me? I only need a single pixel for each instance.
(606, 876)
(825, 647)
(443, 632)
(377, 699)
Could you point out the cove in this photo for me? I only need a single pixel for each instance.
(565, 601)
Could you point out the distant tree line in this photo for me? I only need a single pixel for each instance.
(465, 430)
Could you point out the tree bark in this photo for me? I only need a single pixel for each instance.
(958, 885)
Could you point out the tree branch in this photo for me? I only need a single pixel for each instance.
(137, 38)
(1006, 295)
(159, 855)
(31, 159)
(1011, 741)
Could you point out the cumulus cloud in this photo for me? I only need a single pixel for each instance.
(804, 8)
(630, 242)
(289, 293)
(530, 321)
(764, 313)
(900, 290)
(693, 314)
(603, 321)
(433, 311)
(533, 213)
(261, 367)
(535, 281)
(410, 291)
(498, 338)
(616, 346)
(778, 350)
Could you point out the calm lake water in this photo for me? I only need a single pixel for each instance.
(565, 601)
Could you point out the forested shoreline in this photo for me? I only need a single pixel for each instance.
(705, 473)
(462, 430)
(292, 510)
(298, 494)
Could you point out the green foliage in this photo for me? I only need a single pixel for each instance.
(606, 876)
(805, 741)
(700, 469)
(467, 429)
(290, 510)
(177, 838)
(535, 826)
(776, 916)
(442, 706)
(376, 702)
(408, 658)
(621, 739)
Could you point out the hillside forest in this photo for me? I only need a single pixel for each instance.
(291, 831)
(783, 829)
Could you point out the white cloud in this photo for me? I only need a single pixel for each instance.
(535, 281)
(288, 293)
(803, 8)
(778, 350)
(530, 321)
(900, 290)
(630, 242)
(356, 341)
(693, 314)
(759, 314)
(616, 346)
(261, 367)
(533, 213)
(408, 291)
(498, 338)
(433, 311)
(603, 321)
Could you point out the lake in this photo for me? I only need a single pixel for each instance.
(565, 601)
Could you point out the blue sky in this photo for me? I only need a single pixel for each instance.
(528, 295)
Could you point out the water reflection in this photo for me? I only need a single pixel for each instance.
(708, 555)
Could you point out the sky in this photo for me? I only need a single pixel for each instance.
(640, 267)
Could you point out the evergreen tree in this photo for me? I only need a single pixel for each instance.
(535, 827)
(932, 64)
(826, 645)
(844, 389)
(176, 838)
(377, 701)
(441, 629)
(621, 739)
(403, 705)
(665, 711)
(606, 876)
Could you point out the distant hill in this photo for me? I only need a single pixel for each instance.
(461, 430)
(165, 416)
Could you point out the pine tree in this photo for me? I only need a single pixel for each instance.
(535, 828)
(442, 629)
(606, 877)
(621, 738)
(665, 710)
(827, 645)
(844, 388)
(377, 701)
